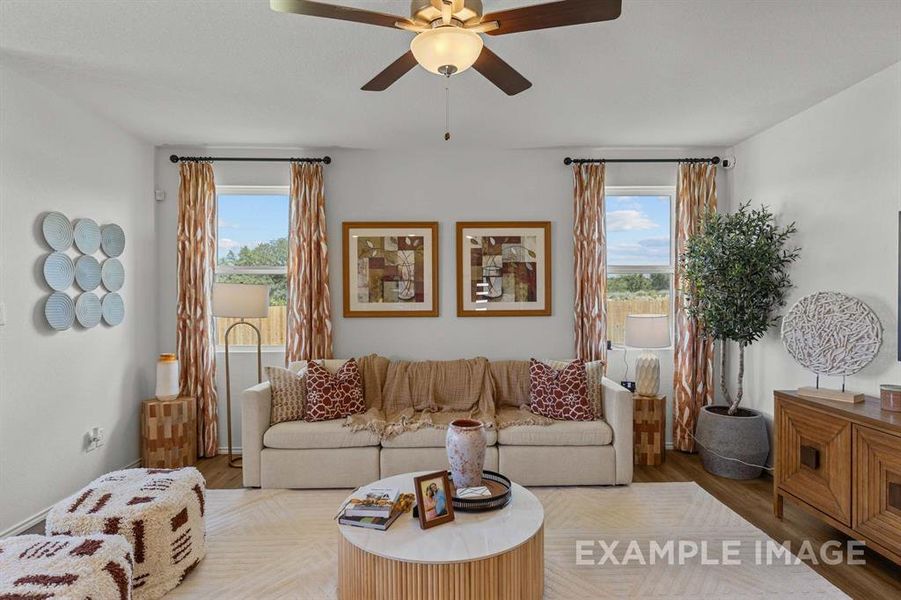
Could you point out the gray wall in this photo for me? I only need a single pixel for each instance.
(55, 386)
(834, 169)
(445, 186)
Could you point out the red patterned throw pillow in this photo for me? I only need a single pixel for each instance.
(560, 394)
(333, 396)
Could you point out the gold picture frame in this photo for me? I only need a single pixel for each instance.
(504, 269)
(390, 268)
(435, 507)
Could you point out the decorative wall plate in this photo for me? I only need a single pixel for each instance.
(112, 274)
(57, 230)
(112, 240)
(87, 273)
(113, 309)
(59, 311)
(88, 310)
(87, 236)
(59, 271)
(831, 333)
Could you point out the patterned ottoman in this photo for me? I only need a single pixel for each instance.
(160, 511)
(34, 567)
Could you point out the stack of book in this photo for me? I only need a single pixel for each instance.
(372, 508)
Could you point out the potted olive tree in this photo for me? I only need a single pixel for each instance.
(736, 271)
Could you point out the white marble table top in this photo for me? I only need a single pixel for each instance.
(470, 536)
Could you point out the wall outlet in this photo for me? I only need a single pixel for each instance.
(629, 385)
(96, 438)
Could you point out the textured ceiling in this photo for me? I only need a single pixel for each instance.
(232, 72)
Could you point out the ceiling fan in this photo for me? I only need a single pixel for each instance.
(448, 39)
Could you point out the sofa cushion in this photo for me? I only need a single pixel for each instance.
(330, 396)
(320, 434)
(560, 433)
(289, 394)
(560, 394)
(594, 373)
(427, 437)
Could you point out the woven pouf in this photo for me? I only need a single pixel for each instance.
(160, 511)
(96, 566)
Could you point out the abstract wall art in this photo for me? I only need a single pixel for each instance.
(390, 269)
(504, 269)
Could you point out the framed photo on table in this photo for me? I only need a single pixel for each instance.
(504, 269)
(433, 499)
(390, 269)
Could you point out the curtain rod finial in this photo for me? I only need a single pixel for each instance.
(327, 159)
(173, 158)
(567, 161)
(715, 160)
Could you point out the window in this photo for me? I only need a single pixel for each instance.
(640, 256)
(253, 248)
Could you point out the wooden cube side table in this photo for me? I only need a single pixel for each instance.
(649, 429)
(169, 433)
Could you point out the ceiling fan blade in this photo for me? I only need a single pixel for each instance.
(330, 11)
(554, 14)
(392, 73)
(500, 73)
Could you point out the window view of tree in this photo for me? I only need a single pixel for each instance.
(639, 258)
(253, 249)
(268, 254)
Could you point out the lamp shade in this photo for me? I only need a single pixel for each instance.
(446, 46)
(647, 331)
(240, 300)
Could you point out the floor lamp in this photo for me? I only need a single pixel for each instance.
(240, 301)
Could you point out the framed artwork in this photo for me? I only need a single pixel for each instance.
(433, 499)
(504, 269)
(390, 269)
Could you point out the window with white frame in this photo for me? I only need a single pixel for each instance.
(253, 248)
(640, 255)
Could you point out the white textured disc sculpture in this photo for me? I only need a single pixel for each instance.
(831, 333)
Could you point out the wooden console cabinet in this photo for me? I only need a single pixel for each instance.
(841, 462)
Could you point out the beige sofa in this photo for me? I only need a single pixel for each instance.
(328, 454)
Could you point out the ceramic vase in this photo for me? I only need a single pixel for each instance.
(466, 441)
(647, 375)
(167, 377)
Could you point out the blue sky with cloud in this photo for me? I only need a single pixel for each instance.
(638, 227)
(638, 230)
(250, 220)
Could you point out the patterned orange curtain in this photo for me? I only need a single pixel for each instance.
(590, 240)
(196, 344)
(309, 305)
(693, 353)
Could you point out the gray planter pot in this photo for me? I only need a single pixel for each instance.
(738, 437)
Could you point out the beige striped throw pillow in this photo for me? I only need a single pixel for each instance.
(289, 394)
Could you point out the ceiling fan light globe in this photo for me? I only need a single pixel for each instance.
(445, 46)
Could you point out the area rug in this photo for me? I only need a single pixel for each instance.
(283, 544)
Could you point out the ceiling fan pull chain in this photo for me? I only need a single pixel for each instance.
(447, 135)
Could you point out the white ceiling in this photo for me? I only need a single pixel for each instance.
(232, 72)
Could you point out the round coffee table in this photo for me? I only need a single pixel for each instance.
(496, 554)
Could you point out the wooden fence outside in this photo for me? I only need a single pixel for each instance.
(273, 328)
(619, 308)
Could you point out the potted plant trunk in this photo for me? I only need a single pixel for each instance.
(736, 271)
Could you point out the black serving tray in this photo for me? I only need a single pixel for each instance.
(501, 493)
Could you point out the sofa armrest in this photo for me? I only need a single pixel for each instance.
(618, 414)
(256, 406)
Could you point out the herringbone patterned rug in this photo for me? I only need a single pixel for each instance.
(283, 544)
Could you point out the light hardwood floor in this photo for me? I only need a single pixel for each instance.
(753, 500)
